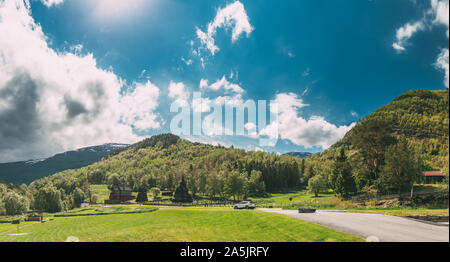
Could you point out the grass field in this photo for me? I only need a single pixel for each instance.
(176, 225)
(283, 199)
(102, 192)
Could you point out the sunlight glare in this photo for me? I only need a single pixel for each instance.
(116, 9)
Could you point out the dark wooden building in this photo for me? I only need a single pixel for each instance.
(35, 215)
(432, 177)
(121, 193)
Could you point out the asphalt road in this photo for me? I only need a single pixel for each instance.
(383, 227)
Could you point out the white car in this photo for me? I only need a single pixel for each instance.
(244, 205)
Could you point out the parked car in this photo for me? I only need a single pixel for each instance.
(244, 205)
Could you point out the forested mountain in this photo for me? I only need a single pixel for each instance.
(418, 119)
(25, 172)
(299, 154)
(162, 160)
(418, 115)
(421, 116)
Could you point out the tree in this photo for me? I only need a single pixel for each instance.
(236, 184)
(155, 192)
(114, 180)
(96, 177)
(317, 184)
(341, 178)
(192, 184)
(256, 186)
(182, 193)
(142, 196)
(372, 137)
(215, 184)
(301, 170)
(93, 199)
(48, 198)
(14, 203)
(402, 167)
(78, 197)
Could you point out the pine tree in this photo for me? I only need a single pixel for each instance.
(341, 179)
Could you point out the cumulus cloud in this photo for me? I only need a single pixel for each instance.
(442, 64)
(52, 102)
(405, 33)
(440, 12)
(437, 15)
(313, 132)
(232, 16)
(137, 107)
(50, 3)
(178, 91)
(222, 83)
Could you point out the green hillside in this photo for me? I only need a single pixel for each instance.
(388, 149)
(417, 114)
(421, 116)
(162, 160)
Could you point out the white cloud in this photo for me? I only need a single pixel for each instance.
(203, 83)
(405, 33)
(438, 14)
(440, 11)
(188, 62)
(442, 63)
(308, 133)
(137, 107)
(178, 92)
(233, 15)
(252, 131)
(50, 3)
(222, 83)
(201, 105)
(208, 40)
(52, 102)
(258, 149)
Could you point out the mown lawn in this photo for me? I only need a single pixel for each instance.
(177, 225)
(283, 199)
(102, 192)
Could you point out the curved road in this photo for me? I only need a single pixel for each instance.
(385, 228)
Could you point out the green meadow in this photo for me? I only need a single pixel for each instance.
(175, 225)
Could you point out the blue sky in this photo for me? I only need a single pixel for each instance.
(336, 57)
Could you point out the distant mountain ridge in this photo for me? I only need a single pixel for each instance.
(25, 172)
(299, 154)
